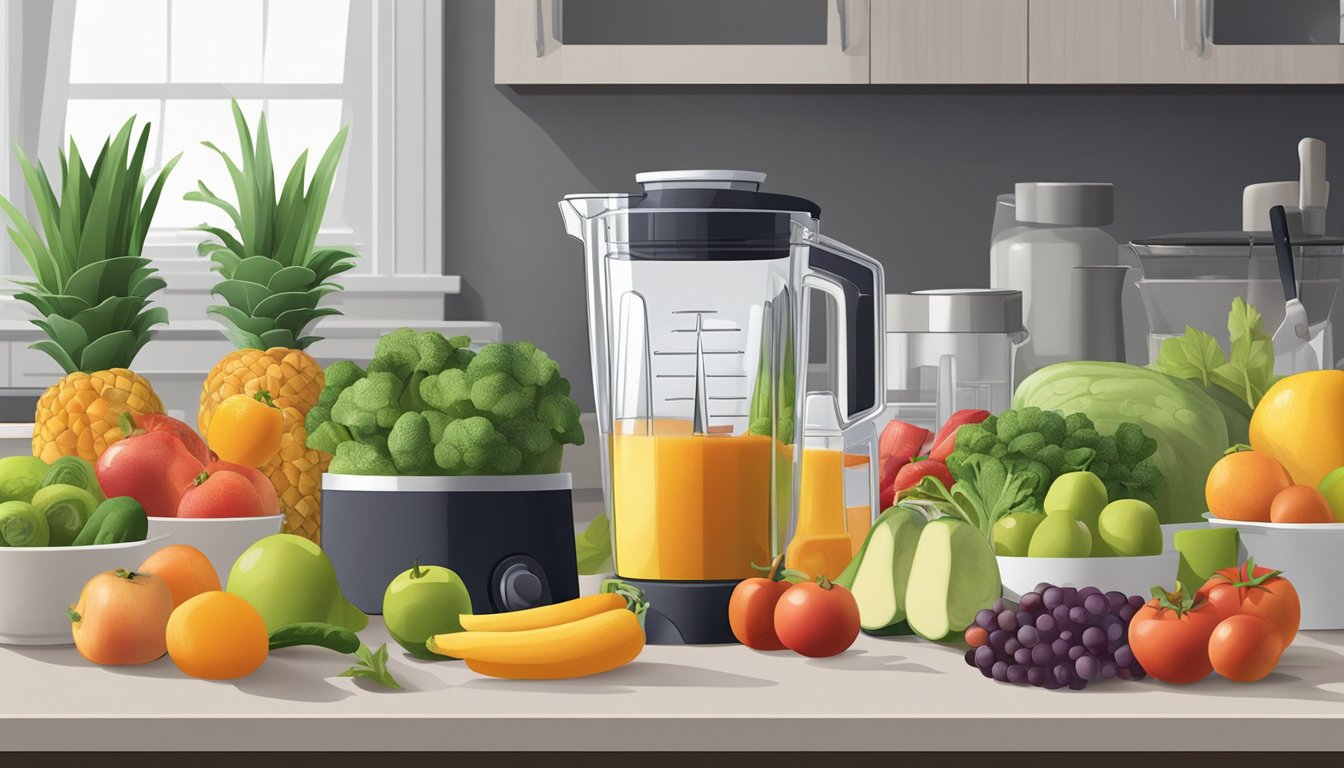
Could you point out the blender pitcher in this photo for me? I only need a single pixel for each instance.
(699, 293)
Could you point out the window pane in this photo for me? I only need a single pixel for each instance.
(216, 42)
(187, 123)
(299, 124)
(305, 41)
(91, 121)
(119, 41)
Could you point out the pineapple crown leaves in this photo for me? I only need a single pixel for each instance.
(274, 275)
(91, 285)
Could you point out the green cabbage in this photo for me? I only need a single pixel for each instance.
(1188, 425)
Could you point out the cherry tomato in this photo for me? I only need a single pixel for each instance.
(1257, 591)
(817, 618)
(751, 612)
(1245, 648)
(1170, 637)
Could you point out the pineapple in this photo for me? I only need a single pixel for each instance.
(273, 277)
(92, 288)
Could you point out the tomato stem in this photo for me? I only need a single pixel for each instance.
(263, 396)
(201, 478)
(123, 573)
(1246, 578)
(824, 582)
(74, 616)
(1178, 601)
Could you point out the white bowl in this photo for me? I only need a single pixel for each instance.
(222, 539)
(591, 584)
(1131, 575)
(42, 582)
(1309, 556)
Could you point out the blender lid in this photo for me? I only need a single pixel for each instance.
(1232, 238)
(956, 310)
(720, 179)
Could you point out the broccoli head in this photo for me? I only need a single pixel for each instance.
(327, 436)
(355, 458)
(370, 402)
(410, 446)
(473, 446)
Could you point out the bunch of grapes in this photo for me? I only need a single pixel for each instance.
(1057, 637)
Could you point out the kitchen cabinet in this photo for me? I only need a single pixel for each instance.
(949, 41)
(1160, 41)
(568, 42)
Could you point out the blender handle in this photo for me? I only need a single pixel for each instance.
(856, 283)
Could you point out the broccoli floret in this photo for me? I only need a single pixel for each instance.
(397, 352)
(449, 392)
(318, 415)
(341, 375)
(998, 451)
(1105, 448)
(1052, 456)
(1010, 426)
(521, 361)
(1078, 459)
(1099, 468)
(559, 413)
(1053, 428)
(1132, 444)
(1040, 474)
(1146, 476)
(354, 458)
(501, 396)
(1082, 438)
(530, 437)
(1027, 444)
(991, 425)
(438, 421)
(327, 436)
(369, 402)
(1076, 421)
(544, 463)
(473, 446)
(974, 438)
(410, 445)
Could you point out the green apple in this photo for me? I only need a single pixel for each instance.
(289, 579)
(422, 602)
(1012, 533)
(1204, 551)
(1060, 534)
(1129, 528)
(1081, 493)
(1332, 487)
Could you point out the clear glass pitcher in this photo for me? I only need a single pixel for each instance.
(700, 294)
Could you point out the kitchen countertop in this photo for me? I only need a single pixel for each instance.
(883, 694)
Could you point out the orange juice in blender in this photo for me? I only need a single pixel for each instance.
(821, 544)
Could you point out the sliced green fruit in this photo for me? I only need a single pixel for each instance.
(67, 508)
(1060, 534)
(1129, 528)
(1012, 533)
(22, 526)
(1204, 551)
(953, 576)
(883, 570)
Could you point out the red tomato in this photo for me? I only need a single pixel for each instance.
(222, 494)
(817, 618)
(145, 423)
(270, 501)
(1245, 648)
(154, 469)
(751, 613)
(1257, 591)
(1170, 637)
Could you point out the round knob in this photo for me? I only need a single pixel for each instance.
(521, 588)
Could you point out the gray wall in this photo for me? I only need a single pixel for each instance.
(908, 175)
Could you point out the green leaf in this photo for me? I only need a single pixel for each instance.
(593, 547)
(277, 337)
(241, 294)
(103, 279)
(31, 246)
(54, 304)
(61, 357)
(256, 269)
(292, 279)
(373, 666)
(278, 303)
(1192, 356)
(115, 350)
(69, 334)
(202, 194)
(993, 491)
(296, 321)
(236, 318)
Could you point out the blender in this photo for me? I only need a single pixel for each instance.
(701, 293)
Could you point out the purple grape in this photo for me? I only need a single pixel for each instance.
(1124, 673)
(1000, 605)
(1000, 671)
(1066, 634)
(1137, 672)
(1028, 636)
(984, 657)
(1070, 597)
(986, 619)
(1077, 684)
(1115, 632)
(1108, 669)
(1031, 603)
(1036, 676)
(1040, 588)
(1012, 646)
(1124, 657)
(997, 638)
(1137, 601)
(1052, 598)
(1008, 621)
(970, 657)
(1077, 652)
(1087, 667)
(1017, 674)
(1061, 648)
(1022, 656)
(1116, 600)
(1042, 655)
(1045, 623)
(1061, 616)
(1094, 638)
(1063, 673)
(1085, 592)
(1025, 619)
(1095, 604)
(1079, 615)
(1126, 613)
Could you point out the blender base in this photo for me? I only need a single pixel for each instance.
(687, 612)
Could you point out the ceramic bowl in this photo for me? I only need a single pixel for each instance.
(1309, 557)
(1131, 575)
(42, 582)
(222, 539)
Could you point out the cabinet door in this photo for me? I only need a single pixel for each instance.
(1159, 41)
(949, 41)
(686, 42)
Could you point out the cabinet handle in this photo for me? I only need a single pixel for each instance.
(540, 31)
(842, 7)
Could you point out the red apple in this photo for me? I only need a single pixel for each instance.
(144, 423)
(270, 501)
(887, 484)
(912, 473)
(221, 494)
(903, 439)
(154, 469)
(946, 441)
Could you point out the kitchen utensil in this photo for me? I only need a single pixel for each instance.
(1059, 229)
(510, 538)
(949, 350)
(1309, 555)
(702, 291)
(1292, 340)
(222, 539)
(1097, 325)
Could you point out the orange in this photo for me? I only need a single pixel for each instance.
(1242, 485)
(185, 569)
(246, 429)
(217, 636)
(120, 618)
(1300, 504)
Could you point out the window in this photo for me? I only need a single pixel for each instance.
(311, 65)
